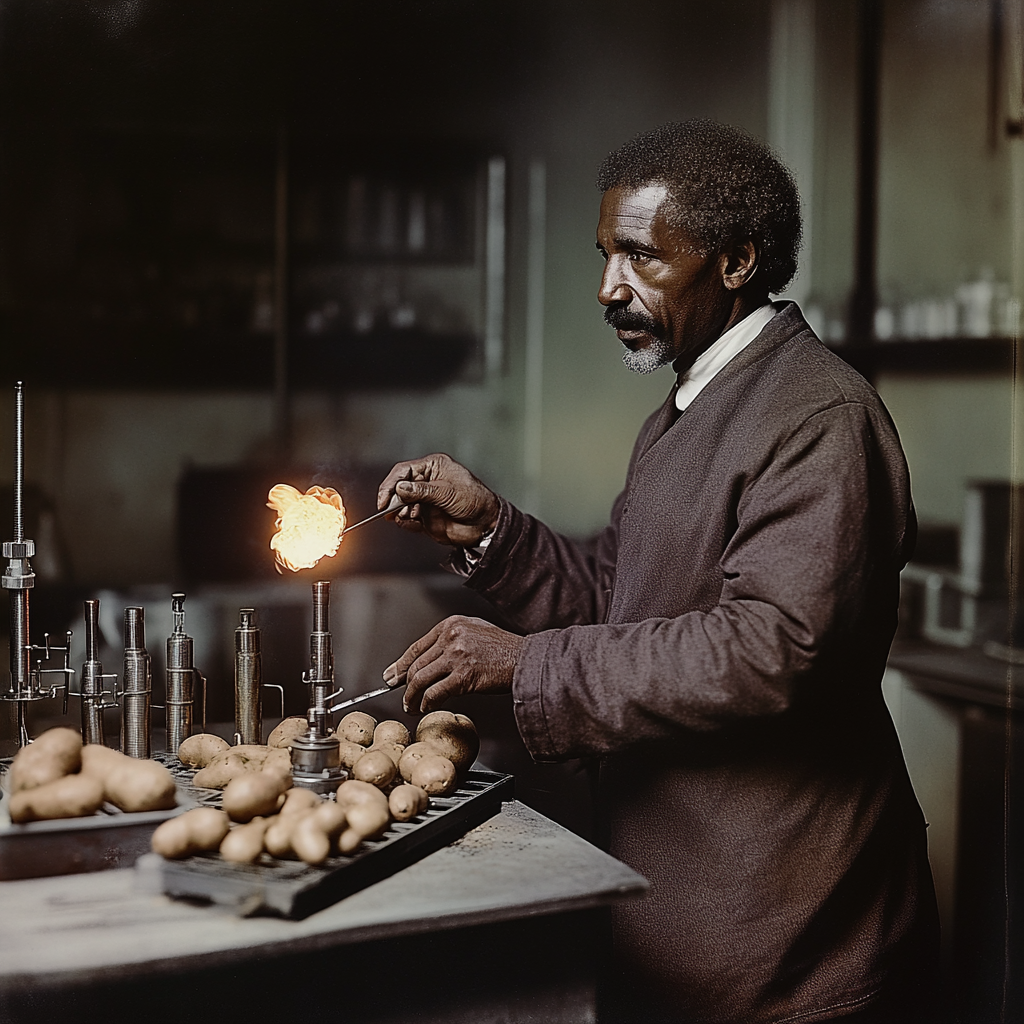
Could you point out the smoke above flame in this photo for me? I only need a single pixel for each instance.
(308, 525)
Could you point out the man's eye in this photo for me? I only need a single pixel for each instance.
(639, 257)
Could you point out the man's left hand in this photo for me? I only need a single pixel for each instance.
(459, 655)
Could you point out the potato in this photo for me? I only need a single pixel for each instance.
(199, 750)
(98, 760)
(209, 826)
(313, 833)
(254, 795)
(391, 732)
(411, 755)
(52, 755)
(393, 750)
(244, 843)
(354, 792)
(299, 800)
(278, 838)
(365, 821)
(258, 752)
(223, 768)
(358, 727)
(375, 767)
(407, 801)
(435, 774)
(71, 796)
(278, 760)
(287, 730)
(351, 752)
(202, 828)
(454, 736)
(368, 820)
(331, 817)
(140, 786)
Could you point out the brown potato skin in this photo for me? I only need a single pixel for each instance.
(298, 800)
(350, 752)
(454, 736)
(393, 750)
(244, 844)
(368, 820)
(208, 827)
(358, 727)
(411, 755)
(278, 838)
(71, 796)
(98, 760)
(287, 730)
(352, 792)
(202, 828)
(201, 748)
(140, 786)
(407, 801)
(391, 732)
(53, 754)
(310, 842)
(375, 767)
(434, 774)
(278, 760)
(223, 768)
(254, 795)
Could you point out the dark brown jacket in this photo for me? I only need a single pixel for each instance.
(720, 645)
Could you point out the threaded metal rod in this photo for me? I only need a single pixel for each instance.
(248, 679)
(92, 683)
(180, 679)
(19, 461)
(321, 655)
(136, 687)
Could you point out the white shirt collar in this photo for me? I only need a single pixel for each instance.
(715, 357)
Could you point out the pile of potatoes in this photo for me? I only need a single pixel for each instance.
(218, 762)
(391, 780)
(445, 746)
(57, 777)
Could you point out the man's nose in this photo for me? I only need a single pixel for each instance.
(613, 288)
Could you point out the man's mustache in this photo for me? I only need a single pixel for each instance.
(622, 318)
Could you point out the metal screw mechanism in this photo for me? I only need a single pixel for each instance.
(18, 578)
(248, 679)
(181, 678)
(136, 686)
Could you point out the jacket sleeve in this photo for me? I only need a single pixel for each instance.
(542, 580)
(816, 531)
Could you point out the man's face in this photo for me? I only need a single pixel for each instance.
(663, 295)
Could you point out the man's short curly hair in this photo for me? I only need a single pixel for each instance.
(725, 187)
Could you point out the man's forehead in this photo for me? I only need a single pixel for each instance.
(632, 208)
(642, 215)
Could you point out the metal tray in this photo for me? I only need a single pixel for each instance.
(110, 838)
(291, 889)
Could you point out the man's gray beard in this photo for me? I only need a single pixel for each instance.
(648, 359)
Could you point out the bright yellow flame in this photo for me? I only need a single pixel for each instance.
(309, 525)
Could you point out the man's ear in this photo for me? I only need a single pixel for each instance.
(739, 265)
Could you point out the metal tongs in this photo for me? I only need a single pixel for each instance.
(363, 696)
(394, 506)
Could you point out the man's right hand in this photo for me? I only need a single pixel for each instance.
(442, 499)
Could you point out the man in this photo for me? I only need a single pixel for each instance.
(720, 645)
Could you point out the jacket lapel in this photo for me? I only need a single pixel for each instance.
(667, 415)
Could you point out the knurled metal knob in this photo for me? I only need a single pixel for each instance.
(24, 549)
